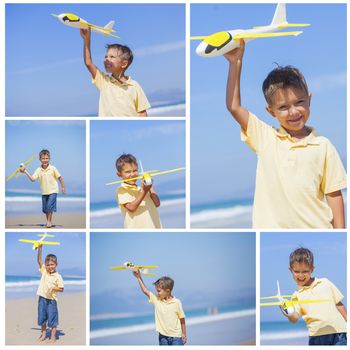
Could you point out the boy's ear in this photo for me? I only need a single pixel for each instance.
(119, 174)
(270, 111)
(125, 64)
(310, 95)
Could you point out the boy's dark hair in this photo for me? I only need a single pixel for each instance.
(165, 283)
(44, 152)
(281, 78)
(125, 53)
(51, 257)
(301, 255)
(125, 159)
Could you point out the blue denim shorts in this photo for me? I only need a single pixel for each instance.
(328, 339)
(47, 312)
(49, 202)
(165, 340)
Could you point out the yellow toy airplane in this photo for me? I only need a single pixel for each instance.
(222, 42)
(146, 176)
(17, 172)
(39, 242)
(130, 266)
(287, 305)
(69, 19)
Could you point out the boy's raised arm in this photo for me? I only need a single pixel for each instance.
(233, 88)
(86, 35)
(40, 262)
(144, 289)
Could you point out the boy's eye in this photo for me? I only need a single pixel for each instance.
(283, 108)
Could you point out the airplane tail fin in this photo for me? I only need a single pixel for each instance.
(280, 15)
(109, 25)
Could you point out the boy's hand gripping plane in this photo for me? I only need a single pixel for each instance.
(72, 20)
(287, 305)
(22, 166)
(37, 243)
(222, 42)
(130, 266)
(146, 176)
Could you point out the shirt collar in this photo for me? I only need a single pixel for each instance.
(129, 81)
(48, 168)
(311, 139)
(311, 286)
(125, 185)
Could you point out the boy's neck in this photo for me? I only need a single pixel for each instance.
(45, 166)
(299, 134)
(121, 77)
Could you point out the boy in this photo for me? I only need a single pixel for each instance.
(169, 315)
(296, 168)
(137, 204)
(120, 96)
(47, 175)
(326, 321)
(51, 282)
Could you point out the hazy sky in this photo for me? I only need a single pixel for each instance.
(320, 53)
(45, 73)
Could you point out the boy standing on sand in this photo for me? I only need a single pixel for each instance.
(297, 169)
(47, 175)
(120, 96)
(169, 315)
(137, 204)
(51, 282)
(326, 321)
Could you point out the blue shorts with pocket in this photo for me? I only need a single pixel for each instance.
(47, 312)
(165, 340)
(328, 339)
(49, 202)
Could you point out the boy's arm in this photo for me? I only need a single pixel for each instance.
(154, 197)
(86, 35)
(63, 187)
(342, 309)
(233, 89)
(183, 330)
(30, 177)
(40, 262)
(145, 291)
(132, 206)
(142, 113)
(336, 203)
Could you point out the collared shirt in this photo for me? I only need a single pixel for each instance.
(167, 315)
(323, 317)
(119, 99)
(145, 216)
(47, 281)
(292, 177)
(47, 178)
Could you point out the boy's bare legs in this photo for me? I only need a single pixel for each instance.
(43, 333)
(53, 334)
(48, 220)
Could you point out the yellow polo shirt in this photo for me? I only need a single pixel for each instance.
(292, 177)
(321, 318)
(119, 99)
(47, 281)
(47, 178)
(167, 315)
(145, 216)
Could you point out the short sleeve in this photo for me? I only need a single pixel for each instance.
(56, 173)
(337, 296)
(60, 281)
(180, 312)
(141, 103)
(35, 176)
(123, 196)
(256, 134)
(334, 177)
(42, 269)
(99, 79)
(152, 298)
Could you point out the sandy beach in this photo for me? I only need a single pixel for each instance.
(37, 221)
(21, 325)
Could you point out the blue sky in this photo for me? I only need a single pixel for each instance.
(209, 268)
(320, 53)
(329, 251)
(159, 144)
(44, 57)
(64, 139)
(21, 259)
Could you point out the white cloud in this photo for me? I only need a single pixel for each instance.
(328, 82)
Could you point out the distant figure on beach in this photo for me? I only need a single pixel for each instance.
(120, 96)
(169, 315)
(51, 282)
(326, 321)
(137, 204)
(299, 174)
(48, 175)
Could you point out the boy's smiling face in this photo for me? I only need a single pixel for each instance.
(129, 171)
(291, 107)
(114, 63)
(45, 160)
(50, 266)
(302, 274)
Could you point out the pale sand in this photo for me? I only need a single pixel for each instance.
(36, 221)
(21, 321)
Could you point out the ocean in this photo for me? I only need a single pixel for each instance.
(235, 213)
